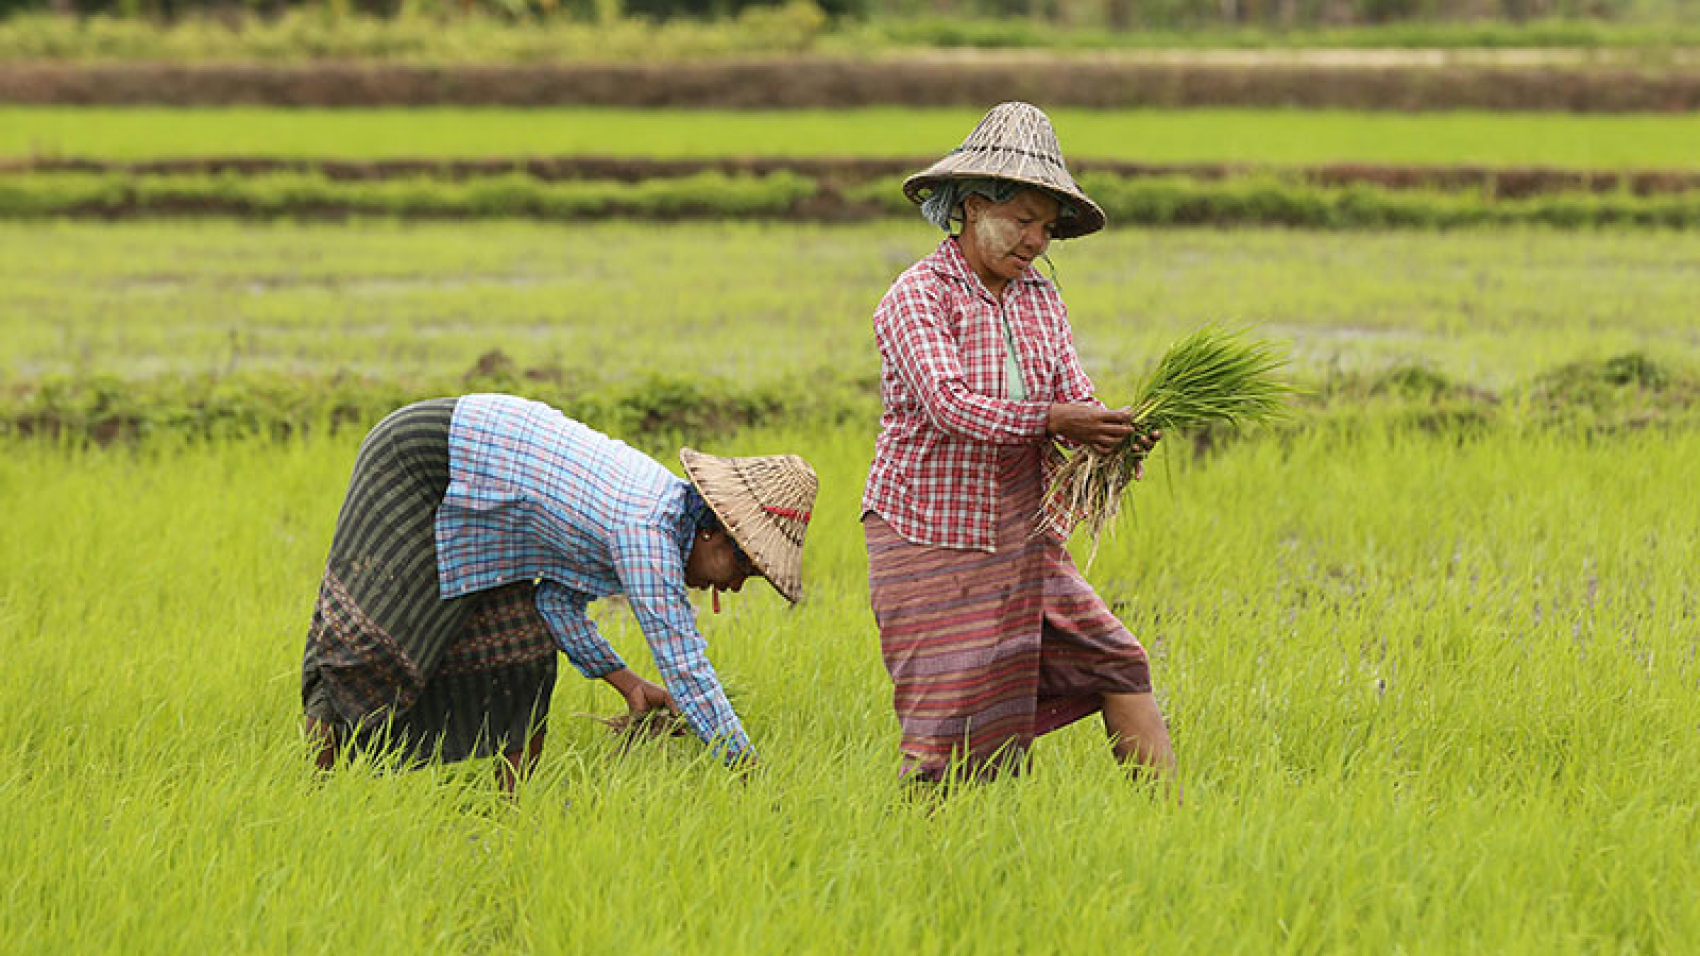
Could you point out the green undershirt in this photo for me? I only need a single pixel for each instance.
(1016, 388)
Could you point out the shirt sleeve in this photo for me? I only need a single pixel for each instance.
(563, 610)
(652, 571)
(909, 327)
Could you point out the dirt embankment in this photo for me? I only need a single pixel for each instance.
(924, 81)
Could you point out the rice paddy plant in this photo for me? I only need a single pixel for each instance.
(1257, 200)
(1210, 377)
(1430, 694)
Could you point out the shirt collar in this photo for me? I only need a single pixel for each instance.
(690, 515)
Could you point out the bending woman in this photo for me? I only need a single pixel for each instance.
(476, 531)
(990, 633)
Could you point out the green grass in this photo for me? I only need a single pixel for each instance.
(1273, 137)
(1428, 696)
(1259, 199)
(611, 304)
(700, 195)
(787, 196)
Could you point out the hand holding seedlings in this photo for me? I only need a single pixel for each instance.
(650, 710)
(1207, 378)
(641, 695)
(1101, 429)
(645, 698)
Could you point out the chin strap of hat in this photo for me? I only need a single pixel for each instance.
(802, 516)
(1046, 255)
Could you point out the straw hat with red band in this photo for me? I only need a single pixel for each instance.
(1014, 141)
(765, 503)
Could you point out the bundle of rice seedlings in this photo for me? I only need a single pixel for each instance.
(1211, 376)
(654, 723)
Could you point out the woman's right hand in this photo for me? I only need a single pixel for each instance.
(1101, 429)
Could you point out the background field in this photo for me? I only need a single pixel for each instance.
(759, 304)
(1318, 169)
(569, 31)
(1264, 137)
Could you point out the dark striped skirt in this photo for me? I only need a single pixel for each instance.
(389, 663)
(989, 650)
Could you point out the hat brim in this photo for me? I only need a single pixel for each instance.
(1088, 218)
(781, 571)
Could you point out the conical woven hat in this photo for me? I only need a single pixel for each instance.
(1015, 141)
(765, 503)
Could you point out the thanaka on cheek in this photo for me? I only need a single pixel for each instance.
(995, 237)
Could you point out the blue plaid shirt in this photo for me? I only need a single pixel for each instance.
(533, 494)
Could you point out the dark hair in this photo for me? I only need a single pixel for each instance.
(943, 206)
(709, 521)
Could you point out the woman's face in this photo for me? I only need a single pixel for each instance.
(1001, 240)
(716, 562)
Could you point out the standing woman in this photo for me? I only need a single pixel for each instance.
(474, 534)
(991, 634)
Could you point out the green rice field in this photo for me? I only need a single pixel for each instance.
(1431, 681)
(1275, 137)
(1428, 696)
(762, 303)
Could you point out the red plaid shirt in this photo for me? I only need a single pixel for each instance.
(934, 474)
